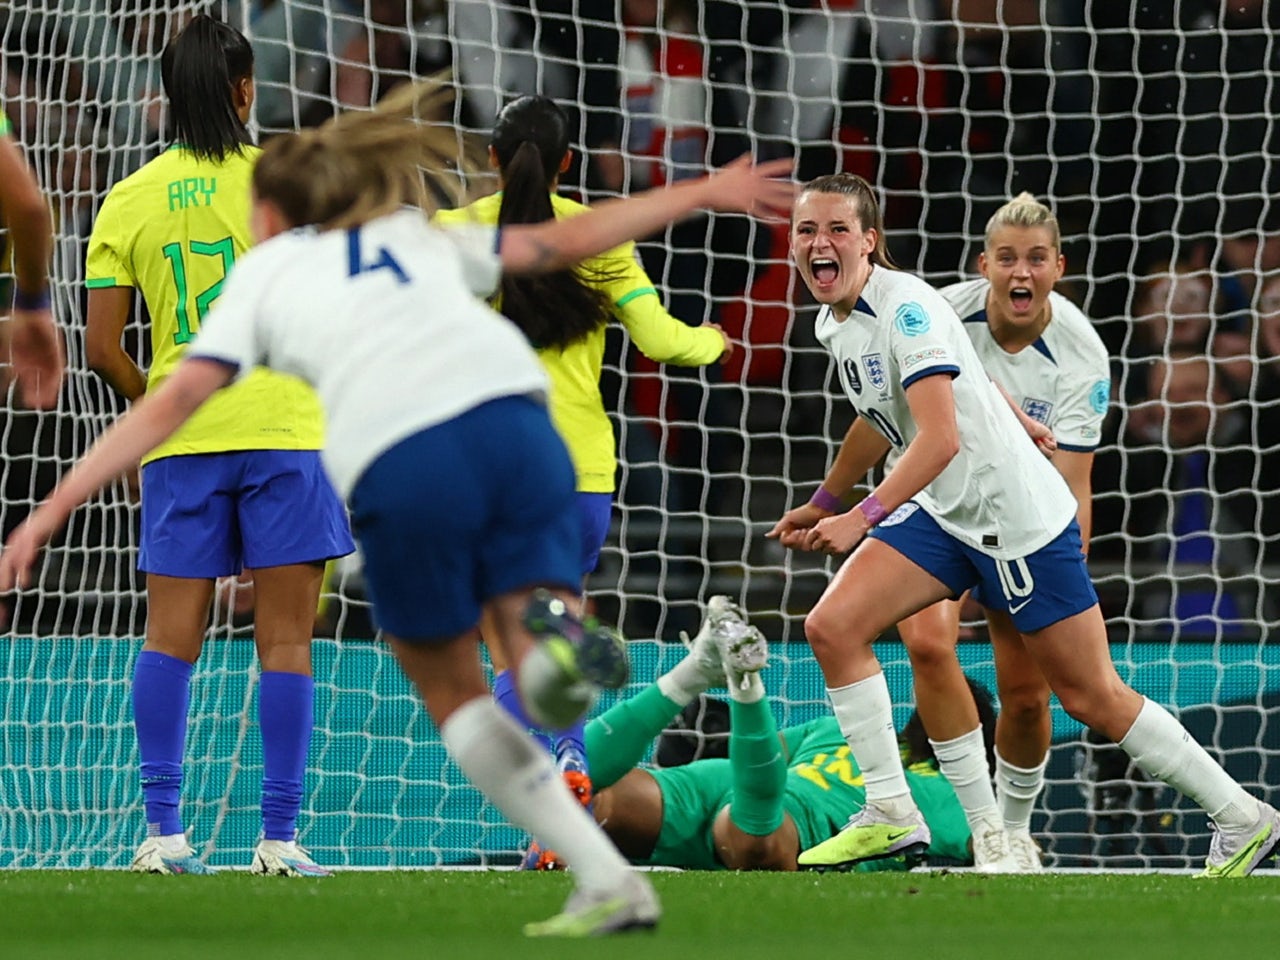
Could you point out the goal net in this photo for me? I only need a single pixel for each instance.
(1148, 127)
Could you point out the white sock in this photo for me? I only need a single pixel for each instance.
(508, 767)
(682, 683)
(865, 715)
(1017, 789)
(744, 687)
(1162, 748)
(963, 761)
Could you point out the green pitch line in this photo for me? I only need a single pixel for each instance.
(444, 915)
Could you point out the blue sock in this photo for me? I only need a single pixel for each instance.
(161, 693)
(508, 698)
(572, 741)
(286, 713)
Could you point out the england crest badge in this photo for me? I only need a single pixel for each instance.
(873, 363)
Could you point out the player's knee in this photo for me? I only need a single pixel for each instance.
(828, 636)
(929, 652)
(1096, 705)
(1024, 703)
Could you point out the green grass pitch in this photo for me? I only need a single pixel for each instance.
(438, 915)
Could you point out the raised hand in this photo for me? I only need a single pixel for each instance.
(746, 187)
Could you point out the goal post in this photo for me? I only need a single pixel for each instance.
(1150, 128)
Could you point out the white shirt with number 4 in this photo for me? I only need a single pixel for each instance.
(999, 494)
(383, 321)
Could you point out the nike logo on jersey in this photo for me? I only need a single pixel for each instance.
(1014, 609)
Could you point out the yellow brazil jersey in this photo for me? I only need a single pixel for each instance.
(172, 231)
(576, 406)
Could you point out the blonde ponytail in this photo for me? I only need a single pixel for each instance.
(363, 165)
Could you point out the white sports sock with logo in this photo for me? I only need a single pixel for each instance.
(1017, 789)
(963, 761)
(1163, 749)
(865, 714)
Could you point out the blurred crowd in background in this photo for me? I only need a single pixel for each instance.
(1147, 126)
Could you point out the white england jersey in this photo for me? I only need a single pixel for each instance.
(383, 321)
(1063, 379)
(999, 494)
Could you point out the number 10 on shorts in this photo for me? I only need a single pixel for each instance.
(1016, 582)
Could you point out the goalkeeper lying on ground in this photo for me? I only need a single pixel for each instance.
(778, 793)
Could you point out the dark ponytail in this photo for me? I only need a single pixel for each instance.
(198, 69)
(531, 138)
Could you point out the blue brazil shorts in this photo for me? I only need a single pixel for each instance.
(208, 515)
(465, 511)
(595, 510)
(1036, 591)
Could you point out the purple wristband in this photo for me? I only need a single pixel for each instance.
(31, 301)
(825, 500)
(872, 509)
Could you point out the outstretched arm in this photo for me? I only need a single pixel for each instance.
(554, 244)
(32, 338)
(139, 431)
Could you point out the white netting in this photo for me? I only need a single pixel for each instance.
(1148, 126)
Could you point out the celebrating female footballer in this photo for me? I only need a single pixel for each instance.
(970, 502)
(460, 489)
(241, 484)
(1039, 347)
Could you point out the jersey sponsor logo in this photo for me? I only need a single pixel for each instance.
(911, 320)
(1038, 410)
(851, 375)
(874, 365)
(1100, 396)
(928, 355)
(900, 515)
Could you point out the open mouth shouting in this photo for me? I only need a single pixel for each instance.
(825, 272)
(1021, 298)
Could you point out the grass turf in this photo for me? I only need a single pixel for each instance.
(445, 914)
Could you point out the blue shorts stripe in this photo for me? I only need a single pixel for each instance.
(595, 511)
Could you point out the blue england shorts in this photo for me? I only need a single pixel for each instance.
(207, 515)
(595, 510)
(465, 511)
(1036, 591)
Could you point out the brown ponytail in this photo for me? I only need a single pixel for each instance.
(865, 204)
